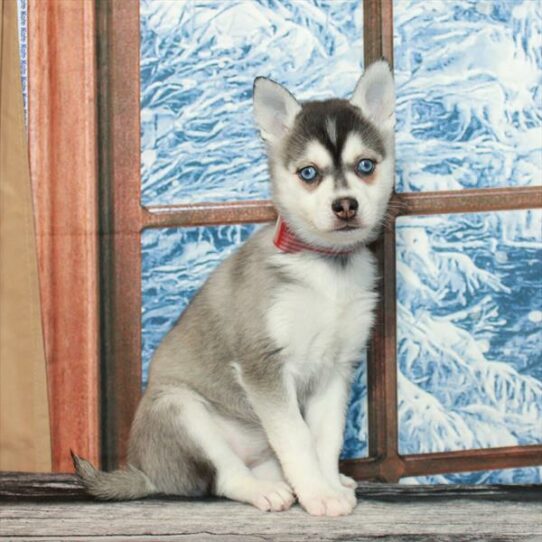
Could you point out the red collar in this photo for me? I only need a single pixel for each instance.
(287, 241)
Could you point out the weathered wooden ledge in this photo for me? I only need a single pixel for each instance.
(55, 507)
(22, 486)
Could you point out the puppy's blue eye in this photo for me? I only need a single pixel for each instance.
(365, 166)
(308, 174)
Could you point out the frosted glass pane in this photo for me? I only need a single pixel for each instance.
(198, 63)
(469, 342)
(356, 441)
(175, 264)
(526, 475)
(469, 99)
(22, 16)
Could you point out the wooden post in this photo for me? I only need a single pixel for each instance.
(63, 157)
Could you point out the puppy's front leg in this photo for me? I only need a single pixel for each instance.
(277, 407)
(325, 415)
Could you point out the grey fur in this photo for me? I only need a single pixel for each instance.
(110, 486)
(215, 329)
(312, 122)
(220, 348)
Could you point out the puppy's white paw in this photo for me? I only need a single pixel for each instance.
(346, 481)
(350, 495)
(329, 502)
(270, 496)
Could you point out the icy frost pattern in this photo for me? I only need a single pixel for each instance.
(22, 15)
(175, 264)
(356, 440)
(198, 63)
(469, 98)
(525, 475)
(470, 335)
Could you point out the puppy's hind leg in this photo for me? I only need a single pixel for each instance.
(234, 479)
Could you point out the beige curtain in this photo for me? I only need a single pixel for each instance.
(24, 415)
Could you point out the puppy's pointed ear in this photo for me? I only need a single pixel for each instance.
(274, 109)
(375, 95)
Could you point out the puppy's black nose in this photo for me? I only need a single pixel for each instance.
(345, 208)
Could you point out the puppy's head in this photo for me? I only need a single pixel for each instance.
(331, 161)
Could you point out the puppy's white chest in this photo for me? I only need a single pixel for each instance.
(322, 317)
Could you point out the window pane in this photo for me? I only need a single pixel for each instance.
(175, 263)
(22, 14)
(526, 475)
(356, 440)
(469, 101)
(198, 63)
(469, 290)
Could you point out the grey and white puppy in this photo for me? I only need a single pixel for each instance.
(247, 393)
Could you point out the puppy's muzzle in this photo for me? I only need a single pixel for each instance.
(345, 208)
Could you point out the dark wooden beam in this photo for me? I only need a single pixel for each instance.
(21, 486)
(444, 462)
(472, 460)
(402, 203)
(467, 201)
(382, 366)
(377, 30)
(120, 286)
(208, 214)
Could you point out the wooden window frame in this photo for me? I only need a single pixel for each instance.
(124, 218)
(62, 134)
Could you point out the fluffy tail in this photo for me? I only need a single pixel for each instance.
(118, 485)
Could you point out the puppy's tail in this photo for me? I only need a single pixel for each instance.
(118, 485)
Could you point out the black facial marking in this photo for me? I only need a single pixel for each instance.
(311, 123)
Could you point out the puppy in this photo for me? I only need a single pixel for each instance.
(247, 393)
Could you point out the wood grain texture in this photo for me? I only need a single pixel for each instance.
(121, 222)
(54, 507)
(402, 204)
(20, 486)
(239, 212)
(460, 520)
(472, 460)
(377, 30)
(63, 156)
(467, 201)
(443, 462)
(382, 365)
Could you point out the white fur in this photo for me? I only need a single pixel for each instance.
(315, 153)
(375, 96)
(310, 212)
(354, 150)
(331, 129)
(225, 444)
(293, 442)
(322, 322)
(319, 321)
(274, 109)
(325, 415)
